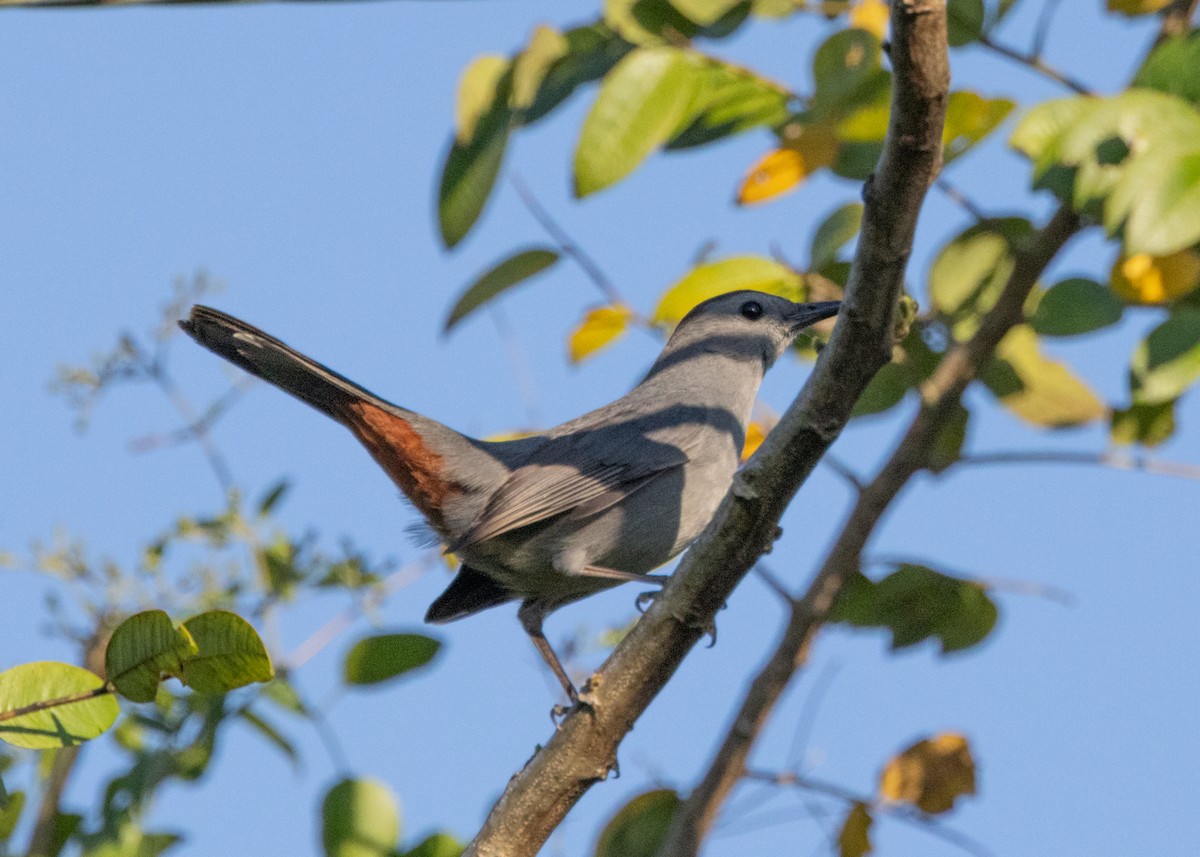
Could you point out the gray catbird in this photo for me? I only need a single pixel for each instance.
(559, 515)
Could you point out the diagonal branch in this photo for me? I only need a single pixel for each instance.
(940, 394)
(583, 749)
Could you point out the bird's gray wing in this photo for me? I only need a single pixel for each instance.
(552, 484)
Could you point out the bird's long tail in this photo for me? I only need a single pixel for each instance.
(266, 357)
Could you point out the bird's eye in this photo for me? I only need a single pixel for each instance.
(752, 310)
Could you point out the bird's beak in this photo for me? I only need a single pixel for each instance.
(803, 315)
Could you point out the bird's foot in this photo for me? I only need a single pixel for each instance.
(706, 626)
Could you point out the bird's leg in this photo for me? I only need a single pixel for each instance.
(616, 574)
(531, 614)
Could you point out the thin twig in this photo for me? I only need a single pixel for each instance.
(1114, 460)
(517, 362)
(1000, 584)
(339, 622)
(191, 432)
(566, 243)
(843, 470)
(959, 198)
(773, 583)
(1042, 31)
(910, 815)
(1037, 64)
(45, 704)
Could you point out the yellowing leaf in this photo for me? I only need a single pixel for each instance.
(1145, 279)
(872, 16)
(855, 840)
(756, 433)
(812, 148)
(600, 327)
(931, 774)
(1136, 7)
(546, 46)
(477, 93)
(1037, 389)
(727, 275)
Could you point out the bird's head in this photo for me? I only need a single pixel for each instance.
(747, 324)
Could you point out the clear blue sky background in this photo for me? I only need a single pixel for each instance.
(292, 152)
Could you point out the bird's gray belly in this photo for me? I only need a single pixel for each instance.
(638, 534)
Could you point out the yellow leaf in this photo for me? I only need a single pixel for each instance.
(727, 275)
(756, 433)
(855, 840)
(870, 15)
(1136, 7)
(600, 327)
(1037, 389)
(1145, 279)
(810, 148)
(477, 93)
(931, 774)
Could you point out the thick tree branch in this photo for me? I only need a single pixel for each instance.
(583, 749)
(940, 393)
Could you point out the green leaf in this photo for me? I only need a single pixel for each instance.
(640, 104)
(591, 52)
(142, 649)
(1074, 306)
(473, 162)
(546, 46)
(969, 119)
(969, 273)
(885, 391)
(385, 656)
(129, 841)
(90, 712)
(281, 693)
(951, 437)
(1148, 425)
(705, 12)
(360, 818)
(647, 23)
(10, 813)
(272, 498)
(728, 275)
(1168, 361)
(1171, 68)
(504, 275)
(1038, 390)
(917, 603)
(437, 845)
(278, 567)
(847, 72)
(728, 101)
(854, 839)
(1158, 201)
(964, 21)
(835, 232)
(231, 654)
(1135, 156)
(639, 827)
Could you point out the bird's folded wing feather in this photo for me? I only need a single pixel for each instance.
(544, 487)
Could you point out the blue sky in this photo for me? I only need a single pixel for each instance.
(291, 151)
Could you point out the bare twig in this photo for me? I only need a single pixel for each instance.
(567, 244)
(1036, 63)
(922, 820)
(959, 198)
(1114, 460)
(583, 749)
(337, 624)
